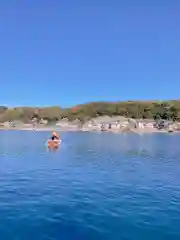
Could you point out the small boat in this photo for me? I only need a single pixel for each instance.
(53, 143)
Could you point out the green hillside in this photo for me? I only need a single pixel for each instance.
(169, 110)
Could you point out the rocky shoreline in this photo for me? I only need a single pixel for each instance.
(49, 129)
(116, 124)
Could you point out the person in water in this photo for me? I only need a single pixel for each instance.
(55, 136)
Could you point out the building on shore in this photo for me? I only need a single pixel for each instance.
(43, 121)
(106, 123)
(146, 123)
(63, 123)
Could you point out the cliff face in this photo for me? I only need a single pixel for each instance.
(169, 110)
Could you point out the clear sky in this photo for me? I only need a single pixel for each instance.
(64, 52)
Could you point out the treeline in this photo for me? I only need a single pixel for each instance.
(168, 110)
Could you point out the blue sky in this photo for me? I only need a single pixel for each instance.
(68, 52)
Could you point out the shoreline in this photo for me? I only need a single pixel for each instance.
(49, 129)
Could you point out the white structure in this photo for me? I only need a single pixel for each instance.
(149, 125)
(43, 121)
(141, 125)
(63, 123)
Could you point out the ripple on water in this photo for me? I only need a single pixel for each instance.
(96, 186)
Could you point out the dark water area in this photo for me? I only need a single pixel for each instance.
(95, 186)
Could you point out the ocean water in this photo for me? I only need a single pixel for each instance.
(95, 186)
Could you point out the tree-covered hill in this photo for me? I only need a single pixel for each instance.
(169, 110)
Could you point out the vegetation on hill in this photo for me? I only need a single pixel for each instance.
(168, 110)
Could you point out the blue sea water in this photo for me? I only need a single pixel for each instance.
(95, 186)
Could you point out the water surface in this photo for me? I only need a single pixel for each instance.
(96, 186)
